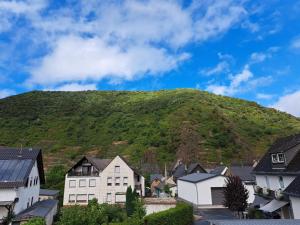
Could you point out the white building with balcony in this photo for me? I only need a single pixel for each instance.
(278, 179)
(103, 179)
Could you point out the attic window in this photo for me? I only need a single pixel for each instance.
(277, 158)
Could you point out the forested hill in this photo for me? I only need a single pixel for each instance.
(146, 127)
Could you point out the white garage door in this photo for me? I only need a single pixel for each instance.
(120, 198)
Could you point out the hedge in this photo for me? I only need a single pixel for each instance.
(182, 214)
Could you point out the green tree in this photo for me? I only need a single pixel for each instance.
(236, 195)
(36, 221)
(130, 198)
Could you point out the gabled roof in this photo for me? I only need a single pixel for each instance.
(194, 166)
(294, 188)
(284, 144)
(48, 192)
(243, 172)
(100, 164)
(220, 170)
(179, 171)
(197, 177)
(16, 165)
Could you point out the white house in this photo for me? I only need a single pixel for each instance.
(21, 173)
(103, 179)
(202, 189)
(278, 178)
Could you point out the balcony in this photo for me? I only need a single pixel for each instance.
(82, 174)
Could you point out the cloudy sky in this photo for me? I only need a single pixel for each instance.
(239, 48)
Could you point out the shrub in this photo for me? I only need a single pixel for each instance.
(182, 214)
(36, 221)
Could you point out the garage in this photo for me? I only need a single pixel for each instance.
(217, 195)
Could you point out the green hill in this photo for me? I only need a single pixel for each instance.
(146, 127)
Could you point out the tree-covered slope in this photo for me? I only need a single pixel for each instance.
(147, 127)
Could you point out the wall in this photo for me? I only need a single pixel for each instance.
(250, 189)
(295, 202)
(187, 191)
(6, 195)
(154, 208)
(273, 181)
(26, 193)
(50, 216)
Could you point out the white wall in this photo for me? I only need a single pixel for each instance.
(154, 208)
(273, 181)
(6, 195)
(295, 202)
(199, 193)
(250, 189)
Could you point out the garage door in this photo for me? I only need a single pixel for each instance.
(217, 195)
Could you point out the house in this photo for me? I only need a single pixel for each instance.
(278, 177)
(48, 194)
(21, 173)
(248, 179)
(203, 189)
(103, 179)
(156, 181)
(180, 169)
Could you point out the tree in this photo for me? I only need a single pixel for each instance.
(130, 198)
(236, 195)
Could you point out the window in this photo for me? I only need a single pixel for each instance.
(281, 183)
(30, 182)
(280, 157)
(82, 183)
(91, 197)
(117, 169)
(267, 182)
(71, 198)
(31, 200)
(109, 181)
(274, 158)
(81, 198)
(72, 183)
(108, 197)
(92, 183)
(125, 181)
(138, 178)
(117, 181)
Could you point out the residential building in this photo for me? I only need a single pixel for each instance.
(48, 194)
(103, 179)
(180, 169)
(202, 189)
(21, 173)
(277, 177)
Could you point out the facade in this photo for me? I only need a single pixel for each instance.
(103, 179)
(202, 189)
(21, 173)
(277, 177)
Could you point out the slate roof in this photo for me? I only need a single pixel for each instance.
(284, 144)
(16, 165)
(243, 172)
(38, 209)
(197, 177)
(155, 176)
(100, 164)
(218, 170)
(194, 166)
(294, 188)
(48, 192)
(179, 171)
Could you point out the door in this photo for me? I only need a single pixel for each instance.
(217, 195)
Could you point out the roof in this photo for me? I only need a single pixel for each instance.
(39, 209)
(194, 166)
(155, 176)
(293, 189)
(284, 144)
(16, 165)
(218, 170)
(179, 171)
(197, 177)
(100, 164)
(256, 222)
(273, 205)
(243, 172)
(48, 192)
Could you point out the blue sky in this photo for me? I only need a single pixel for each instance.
(239, 48)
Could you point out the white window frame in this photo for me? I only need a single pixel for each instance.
(117, 169)
(125, 179)
(278, 158)
(72, 186)
(91, 197)
(109, 181)
(81, 201)
(74, 196)
(108, 197)
(92, 183)
(274, 158)
(82, 184)
(117, 183)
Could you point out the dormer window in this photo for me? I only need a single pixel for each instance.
(277, 158)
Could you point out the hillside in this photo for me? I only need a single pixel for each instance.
(147, 127)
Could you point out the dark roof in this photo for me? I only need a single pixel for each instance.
(294, 188)
(100, 164)
(218, 170)
(48, 192)
(243, 172)
(16, 165)
(284, 144)
(38, 209)
(179, 171)
(155, 176)
(197, 177)
(194, 166)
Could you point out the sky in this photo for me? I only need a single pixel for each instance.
(248, 49)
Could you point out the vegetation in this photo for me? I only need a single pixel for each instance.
(131, 198)
(236, 195)
(146, 127)
(36, 221)
(182, 214)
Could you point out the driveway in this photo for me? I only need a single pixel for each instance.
(213, 214)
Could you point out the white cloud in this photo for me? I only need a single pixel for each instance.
(74, 87)
(289, 103)
(258, 57)
(264, 96)
(6, 92)
(221, 67)
(296, 43)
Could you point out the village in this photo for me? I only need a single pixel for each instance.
(272, 186)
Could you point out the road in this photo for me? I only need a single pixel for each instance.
(213, 214)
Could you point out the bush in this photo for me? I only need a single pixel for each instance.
(182, 214)
(35, 221)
